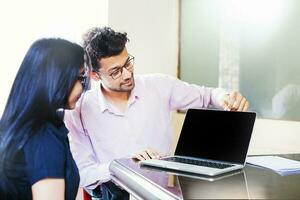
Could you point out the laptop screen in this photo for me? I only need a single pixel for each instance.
(216, 135)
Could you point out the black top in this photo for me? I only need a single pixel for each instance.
(46, 155)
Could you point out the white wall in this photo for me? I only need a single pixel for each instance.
(152, 27)
(275, 137)
(23, 22)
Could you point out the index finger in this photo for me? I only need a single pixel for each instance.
(152, 153)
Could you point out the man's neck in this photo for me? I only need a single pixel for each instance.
(115, 97)
(119, 99)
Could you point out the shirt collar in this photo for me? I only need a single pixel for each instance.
(105, 105)
(101, 99)
(135, 93)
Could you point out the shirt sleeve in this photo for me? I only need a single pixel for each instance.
(44, 156)
(183, 96)
(92, 172)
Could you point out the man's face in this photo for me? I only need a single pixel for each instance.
(116, 72)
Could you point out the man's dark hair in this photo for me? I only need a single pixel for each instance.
(102, 43)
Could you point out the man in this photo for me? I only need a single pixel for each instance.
(127, 115)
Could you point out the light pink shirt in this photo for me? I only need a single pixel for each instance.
(110, 134)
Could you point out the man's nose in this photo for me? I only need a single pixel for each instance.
(126, 73)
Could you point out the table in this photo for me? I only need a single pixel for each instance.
(250, 183)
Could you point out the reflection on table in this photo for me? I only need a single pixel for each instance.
(249, 183)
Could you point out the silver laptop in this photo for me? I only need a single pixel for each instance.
(211, 142)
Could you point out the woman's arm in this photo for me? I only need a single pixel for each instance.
(49, 188)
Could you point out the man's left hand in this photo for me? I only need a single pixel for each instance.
(234, 102)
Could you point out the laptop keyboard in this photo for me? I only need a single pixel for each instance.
(198, 162)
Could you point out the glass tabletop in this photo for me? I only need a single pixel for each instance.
(251, 182)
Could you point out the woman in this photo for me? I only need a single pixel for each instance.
(35, 159)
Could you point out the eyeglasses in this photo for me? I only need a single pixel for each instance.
(115, 74)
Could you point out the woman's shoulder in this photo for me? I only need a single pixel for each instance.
(50, 131)
(47, 138)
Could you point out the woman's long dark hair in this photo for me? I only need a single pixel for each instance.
(42, 85)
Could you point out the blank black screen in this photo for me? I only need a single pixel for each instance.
(216, 135)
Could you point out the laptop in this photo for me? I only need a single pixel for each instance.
(211, 142)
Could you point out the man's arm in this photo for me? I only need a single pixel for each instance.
(184, 96)
(92, 172)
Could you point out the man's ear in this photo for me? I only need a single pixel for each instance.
(95, 76)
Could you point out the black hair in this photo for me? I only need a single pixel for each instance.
(103, 42)
(42, 85)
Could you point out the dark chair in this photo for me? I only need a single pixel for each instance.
(94, 194)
